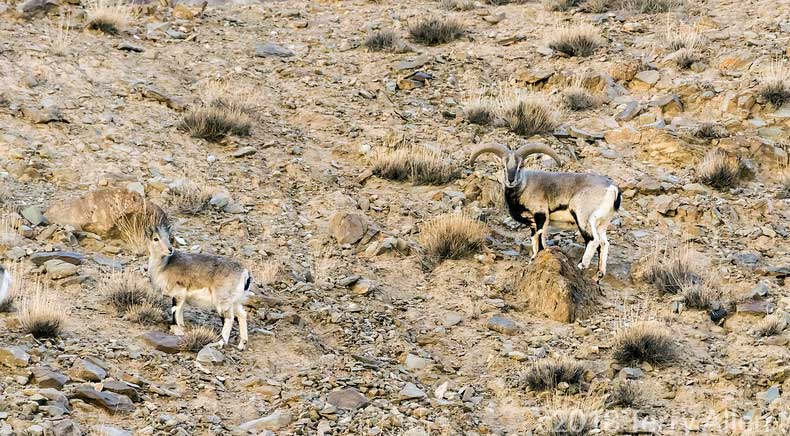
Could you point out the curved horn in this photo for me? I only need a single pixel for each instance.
(498, 149)
(528, 149)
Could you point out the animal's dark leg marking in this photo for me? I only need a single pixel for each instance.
(540, 219)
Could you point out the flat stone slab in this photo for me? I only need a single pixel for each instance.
(64, 256)
(163, 342)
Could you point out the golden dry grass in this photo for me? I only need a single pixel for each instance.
(126, 290)
(644, 342)
(9, 223)
(215, 122)
(189, 197)
(702, 296)
(577, 97)
(719, 170)
(774, 86)
(671, 272)
(560, 5)
(417, 163)
(40, 314)
(546, 374)
(567, 417)
(382, 40)
(435, 31)
(581, 40)
(625, 393)
(772, 325)
(526, 115)
(59, 34)
(452, 236)
(107, 16)
(458, 5)
(480, 111)
(198, 337)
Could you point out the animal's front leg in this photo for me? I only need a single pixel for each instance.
(226, 327)
(242, 315)
(535, 243)
(178, 309)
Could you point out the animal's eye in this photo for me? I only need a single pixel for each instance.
(156, 238)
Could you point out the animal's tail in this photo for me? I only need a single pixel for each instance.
(618, 200)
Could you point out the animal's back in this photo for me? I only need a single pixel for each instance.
(194, 271)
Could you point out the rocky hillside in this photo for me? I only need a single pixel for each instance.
(260, 132)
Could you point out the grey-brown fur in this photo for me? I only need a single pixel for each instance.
(541, 199)
(5, 284)
(202, 280)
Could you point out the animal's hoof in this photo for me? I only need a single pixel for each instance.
(580, 266)
(242, 345)
(600, 275)
(219, 344)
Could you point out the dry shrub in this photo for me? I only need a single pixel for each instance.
(231, 95)
(108, 16)
(435, 31)
(577, 97)
(546, 374)
(382, 40)
(685, 58)
(189, 197)
(701, 296)
(215, 122)
(417, 163)
(452, 236)
(527, 115)
(59, 35)
(597, 6)
(480, 111)
(458, 5)
(719, 170)
(127, 291)
(198, 337)
(772, 325)
(576, 41)
(40, 314)
(784, 184)
(677, 40)
(565, 418)
(625, 393)
(9, 223)
(641, 6)
(644, 342)
(560, 5)
(134, 228)
(671, 273)
(775, 85)
(710, 130)
(146, 313)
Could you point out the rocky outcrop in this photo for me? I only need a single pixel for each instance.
(554, 287)
(102, 210)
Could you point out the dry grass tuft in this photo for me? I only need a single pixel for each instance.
(672, 273)
(198, 337)
(108, 16)
(719, 170)
(701, 296)
(644, 342)
(546, 374)
(382, 40)
(9, 223)
(134, 229)
(435, 31)
(772, 325)
(784, 184)
(576, 97)
(458, 5)
(417, 163)
(568, 419)
(59, 35)
(146, 313)
(189, 197)
(579, 41)
(641, 6)
(597, 6)
(685, 58)
(452, 236)
(710, 131)
(527, 115)
(560, 5)
(216, 121)
(40, 314)
(480, 111)
(625, 394)
(775, 87)
(126, 291)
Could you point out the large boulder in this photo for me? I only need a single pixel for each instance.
(102, 210)
(554, 287)
(347, 228)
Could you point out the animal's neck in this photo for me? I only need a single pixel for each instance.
(156, 263)
(514, 206)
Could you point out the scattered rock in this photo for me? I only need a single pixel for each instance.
(276, 421)
(244, 151)
(106, 430)
(270, 49)
(411, 391)
(34, 216)
(347, 228)
(347, 399)
(109, 401)
(170, 344)
(553, 286)
(502, 325)
(120, 387)
(42, 257)
(47, 378)
(770, 395)
(13, 356)
(87, 371)
(209, 354)
(58, 269)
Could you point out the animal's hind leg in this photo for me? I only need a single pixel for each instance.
(592, 245)
(603, 249)
(178, 310)
(535, 243)
(539, 234)
(227, 327)
(242, 314)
